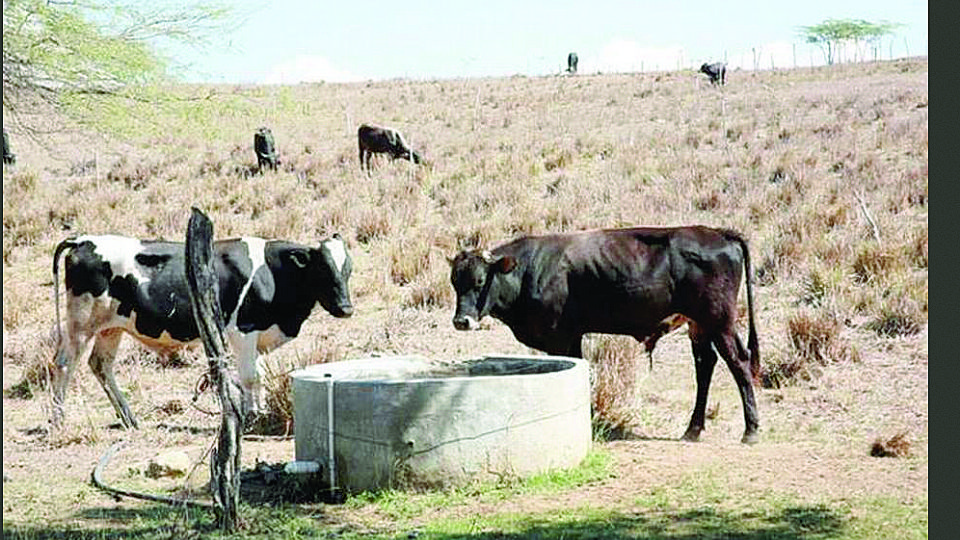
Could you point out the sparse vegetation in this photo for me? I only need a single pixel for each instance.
(615, 365)
(797, 162)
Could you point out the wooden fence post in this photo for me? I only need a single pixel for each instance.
(204, 299)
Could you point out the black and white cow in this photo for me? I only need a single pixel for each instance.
(717, 72)
(382, 140)
(117, 284)
(264, 148)
(641, 282)
(572, 61)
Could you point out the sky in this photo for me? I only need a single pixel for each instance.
(292, 41)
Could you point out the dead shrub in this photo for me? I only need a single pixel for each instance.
(613, 392)
(813, 289)
(135, 176)
(373, 224)
(918, 251)
(278, 387)
(896, 446)
(36, 377)
(708, 202)
(408, 260)
(780, 372)
(872, 263)
(431, 291)
(816, 337)
(898, 316)
(561, 161)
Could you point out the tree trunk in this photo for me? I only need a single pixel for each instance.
(204, 298)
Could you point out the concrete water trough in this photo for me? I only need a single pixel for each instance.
(404, 421)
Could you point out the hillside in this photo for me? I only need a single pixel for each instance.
(824, 170)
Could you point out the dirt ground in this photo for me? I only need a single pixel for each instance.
(815, 436)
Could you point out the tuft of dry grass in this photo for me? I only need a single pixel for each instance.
(815, 339)
(896, 446)
(278, 387)
(615, 362)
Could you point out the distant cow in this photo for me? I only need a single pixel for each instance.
(551, 290)
(8, 157)
(572, 62)
(717, 72)
(117, 284)
(264, 147)
(383, 140)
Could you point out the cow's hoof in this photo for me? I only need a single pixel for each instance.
(750, 438)
(691, 436)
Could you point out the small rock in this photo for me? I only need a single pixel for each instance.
(175, 463)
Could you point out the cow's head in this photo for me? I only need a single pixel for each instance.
(473, 274)
(333, 266)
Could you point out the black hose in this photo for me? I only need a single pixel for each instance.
(97, 478)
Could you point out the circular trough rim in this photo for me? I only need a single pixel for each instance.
(317, 373)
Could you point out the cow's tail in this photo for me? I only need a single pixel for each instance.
(68, 243)
(752, 343)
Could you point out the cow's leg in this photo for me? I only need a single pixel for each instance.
(64, 364)
(575, 349)
(738, 360)
(249, 368)
(101, 362)
(704, 360)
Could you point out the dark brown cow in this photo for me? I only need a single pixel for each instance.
(382, 140)
(551, 290)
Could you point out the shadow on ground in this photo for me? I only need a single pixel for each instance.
(162, 522)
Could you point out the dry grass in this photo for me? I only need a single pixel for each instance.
(783, 156)
(804, 162)
(896, 446)
(615, 363)
(278, 387)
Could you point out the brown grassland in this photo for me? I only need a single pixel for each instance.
(824, 170)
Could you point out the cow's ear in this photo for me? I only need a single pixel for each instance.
(299, 257)
(450, 261)
(505, 264)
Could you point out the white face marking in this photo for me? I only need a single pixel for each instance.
(337, 251)
(472, 324)
(255, 250)
(119, 252)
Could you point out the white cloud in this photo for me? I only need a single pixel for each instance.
(305, 68)
(623, 55)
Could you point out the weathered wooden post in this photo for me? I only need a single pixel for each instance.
(204, 298)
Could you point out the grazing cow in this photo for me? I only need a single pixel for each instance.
(572, 63)
(717, 72)
(8, 156)
(551, 290)
(264, 148)
(383, 140)
(117, 284)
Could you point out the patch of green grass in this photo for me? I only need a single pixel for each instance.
(666, 512)
(400, 505)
